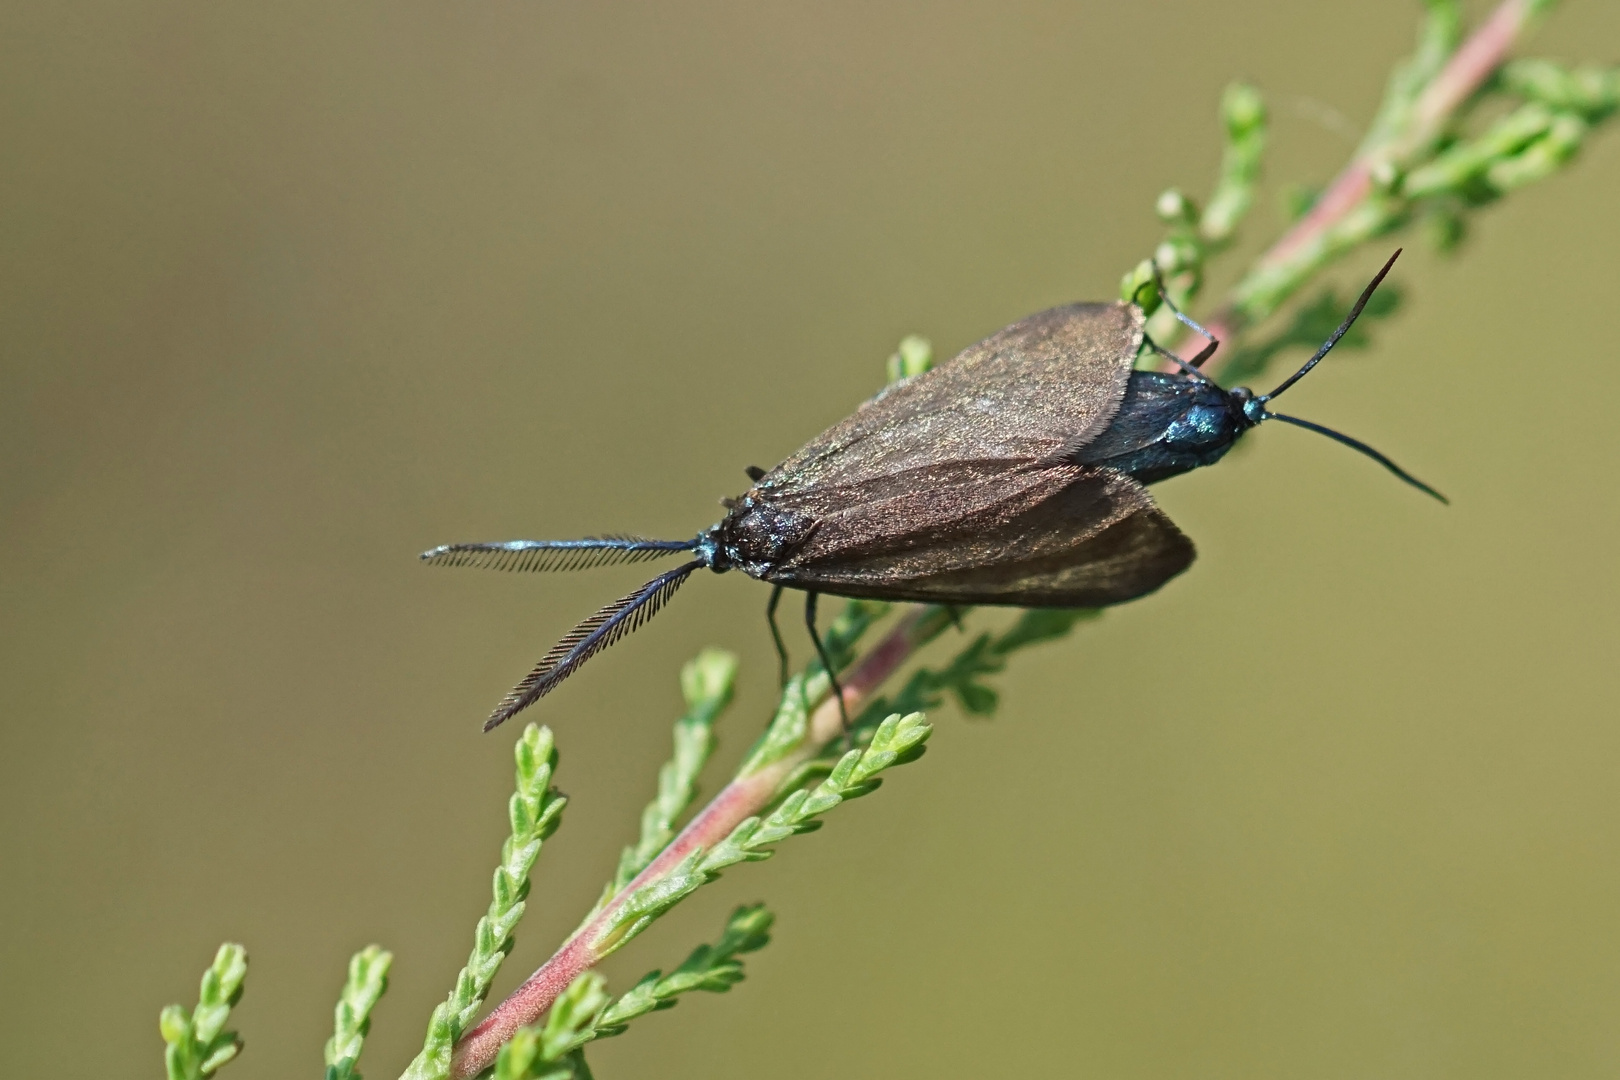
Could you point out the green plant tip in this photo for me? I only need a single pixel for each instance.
(1243, 110)
(1138, 287)
(914, 356)
(1174, 208)
(708, 678)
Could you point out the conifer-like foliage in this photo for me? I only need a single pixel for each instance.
(1424, 163)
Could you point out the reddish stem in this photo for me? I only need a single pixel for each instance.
(740, 800)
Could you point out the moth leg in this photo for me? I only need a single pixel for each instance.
(826, 661)
(1203, 354)
(954, 613)
(776, 635)
(1185, 365)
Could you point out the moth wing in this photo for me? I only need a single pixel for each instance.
(1051, 380)
(1129, 559)
(1046, 537)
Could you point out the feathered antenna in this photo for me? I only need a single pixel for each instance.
(554, 554)
(589, 638)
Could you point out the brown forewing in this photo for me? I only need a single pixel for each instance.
(1034, 536)
(1053, 379)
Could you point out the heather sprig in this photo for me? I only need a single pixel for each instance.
(582, 1014)
(552, 1050)
(197, 1042)
(534, 812)
(351, 1019)
(715, 968)
(789, 727)
(896, 741)
(706, 683)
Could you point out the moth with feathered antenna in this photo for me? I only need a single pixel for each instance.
(1012, 474)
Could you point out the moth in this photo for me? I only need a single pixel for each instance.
(1015, 473)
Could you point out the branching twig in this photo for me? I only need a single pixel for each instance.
(745, 797)
(1367, 198)
(535, 810)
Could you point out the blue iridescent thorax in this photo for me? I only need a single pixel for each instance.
(1167, 425)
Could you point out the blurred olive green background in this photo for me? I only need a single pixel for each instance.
(292, 291)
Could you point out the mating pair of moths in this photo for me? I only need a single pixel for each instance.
(1012, 474)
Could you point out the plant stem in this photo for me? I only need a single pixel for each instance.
(1303, 249)
(743, 798)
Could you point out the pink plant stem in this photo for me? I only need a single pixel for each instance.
(741, 799)
(1469, 67)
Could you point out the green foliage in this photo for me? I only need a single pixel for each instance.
(1243, 116)
(1309, 326)
(551, 1050)
(706, 683)
(197, 1042)
(914, 356)
(985, 655)
(534, 812)
(367, 982)
(896, 740)
(1418, 165)
(554, 1050)
(1526, 144)
(1592, 93)
(1398, 123)
(1196, 236)
(1427, 169)
(790, 725)
(714, 968)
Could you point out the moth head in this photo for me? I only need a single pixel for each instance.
(1245, 402)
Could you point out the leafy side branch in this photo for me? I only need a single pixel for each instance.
(1419, 164)
(197, 1043)
(535, 812)
(351, 1019)
(584, 1012)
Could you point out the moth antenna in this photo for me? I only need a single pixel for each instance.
(555, 554)
(589, 638)
(1357, 444)
(1344, 328)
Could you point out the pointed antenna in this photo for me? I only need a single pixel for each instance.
(589, 638)
(1357, 444)
(1344, 328)
(554, 554)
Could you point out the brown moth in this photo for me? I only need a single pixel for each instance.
(1014, 473)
